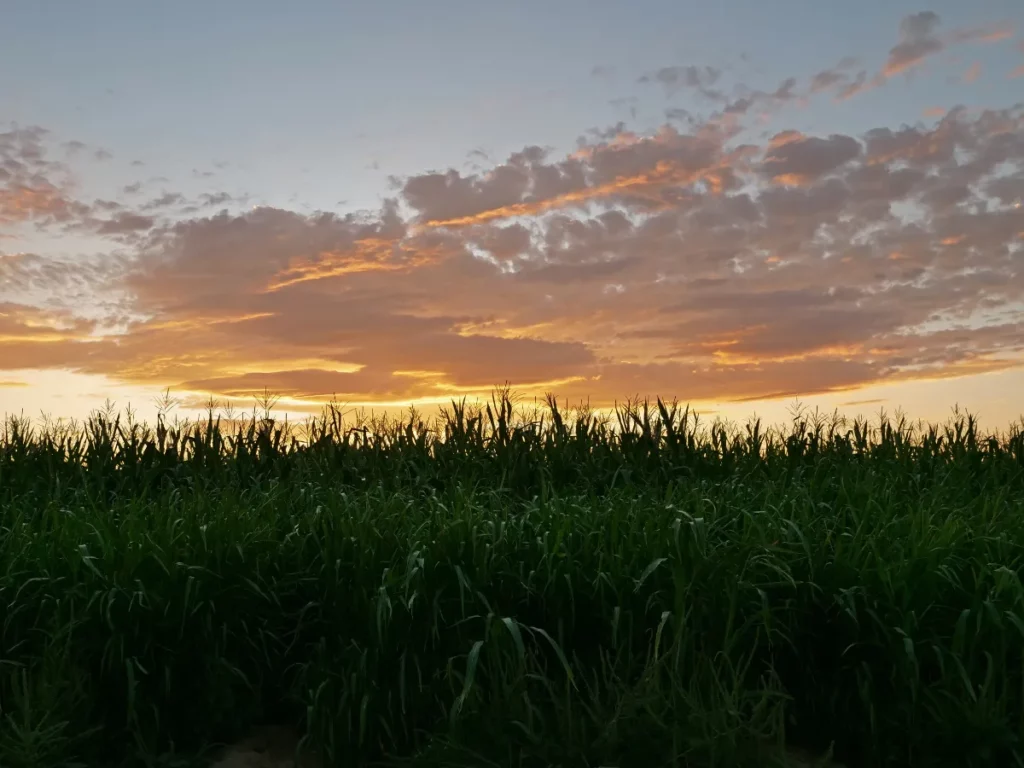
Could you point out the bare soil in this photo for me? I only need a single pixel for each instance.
(277, 747)
(269, 747)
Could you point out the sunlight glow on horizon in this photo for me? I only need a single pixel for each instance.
(931, 402)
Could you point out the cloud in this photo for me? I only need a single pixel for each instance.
(804, 160)
(827, 79)
(629, 169)
(673, 79)
(214, 199)
(125, 223)
(43, 192)
(919, 40)
(972, 73)
(38, 190)
(858, 85)
(32, 187)
(993, 33)
(693, 260)
(166, 200)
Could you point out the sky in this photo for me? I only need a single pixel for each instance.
(737, 204)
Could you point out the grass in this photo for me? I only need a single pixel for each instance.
(512, 588)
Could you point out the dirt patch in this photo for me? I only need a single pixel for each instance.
(278, 747)
(269, 747)
(802, 758)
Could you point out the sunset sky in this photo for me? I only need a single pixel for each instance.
(736, 203)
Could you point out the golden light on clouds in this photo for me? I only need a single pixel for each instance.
(712, 258)
(199, 323)
(786, 137)
(792, 179)
(664, 174)
(727, 358)
(43, 336)
(22, 203)
(501, 331)
(544, 206)
(366, 255)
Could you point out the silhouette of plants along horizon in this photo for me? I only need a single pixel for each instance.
(512, 583)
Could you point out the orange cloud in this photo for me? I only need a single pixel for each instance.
(703, 262)
(664, 174)
(40, 337)
(918, 41)
(996, 35)
(801, 161)
(20, 203)
(785, 137)
(620, 140)
(199, 323)
(973, 73)
(791, 179)
(365, 256)
(543, 206)
(725, 357)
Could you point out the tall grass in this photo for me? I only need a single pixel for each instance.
(504, 586)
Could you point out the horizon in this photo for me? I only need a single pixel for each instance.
(337, 421)
(263, 409)
(655, 202)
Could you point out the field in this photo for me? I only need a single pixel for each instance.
(510, 587)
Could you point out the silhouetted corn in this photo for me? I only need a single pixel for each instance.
(513, 584)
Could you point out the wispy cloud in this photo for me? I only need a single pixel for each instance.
(872, 401)
(919, 40)
(700, 79)
(972, 74)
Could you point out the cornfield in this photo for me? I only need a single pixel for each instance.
(507, 586)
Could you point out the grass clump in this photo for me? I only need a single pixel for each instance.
(509, 587)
